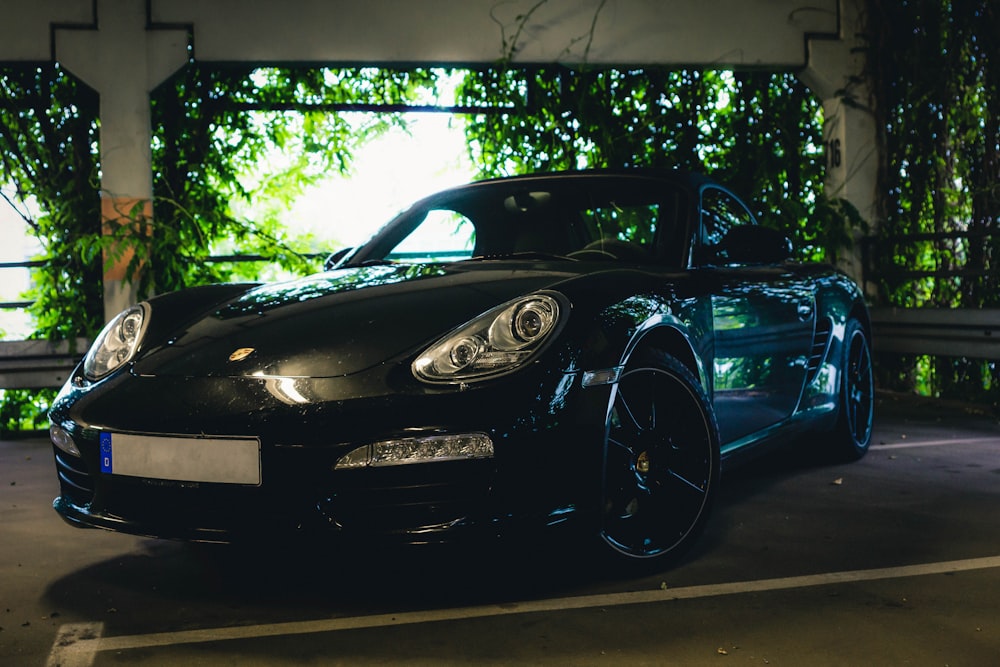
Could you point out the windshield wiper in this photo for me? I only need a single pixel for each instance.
(527, 254)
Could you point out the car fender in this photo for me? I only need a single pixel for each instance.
(669, 334)
(651, 321)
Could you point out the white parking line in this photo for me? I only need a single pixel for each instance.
(80, 652)
(941, 443)
(66, 652)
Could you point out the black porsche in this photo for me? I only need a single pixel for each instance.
(581, 348)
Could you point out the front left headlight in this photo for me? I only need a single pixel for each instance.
(494, 343)
(116, 344)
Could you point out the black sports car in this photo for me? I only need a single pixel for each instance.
(581, 348)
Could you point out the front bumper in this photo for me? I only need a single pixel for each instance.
(547, 432)
(416, 506)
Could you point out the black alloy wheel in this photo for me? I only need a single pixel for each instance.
(661, 464)
(853, 432)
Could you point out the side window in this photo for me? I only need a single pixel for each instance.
(720, 212)
(443, 236)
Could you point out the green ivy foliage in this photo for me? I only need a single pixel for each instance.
(48, 135)
(233, 138)
(938, 93)
(935, 71)
(48, 130)
(761, 133)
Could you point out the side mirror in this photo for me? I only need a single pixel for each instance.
(751, 244)
(333, 260)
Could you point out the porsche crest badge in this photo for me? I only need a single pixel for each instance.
(241, 354)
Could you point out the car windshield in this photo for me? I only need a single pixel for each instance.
(583, 218)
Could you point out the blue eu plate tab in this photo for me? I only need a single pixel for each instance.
(105, 451)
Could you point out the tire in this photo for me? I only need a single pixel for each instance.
(661, 463)
(852, 434)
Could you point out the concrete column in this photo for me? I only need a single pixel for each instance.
(123, 60)
(835, 74)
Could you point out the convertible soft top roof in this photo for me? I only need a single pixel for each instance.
(682, 177)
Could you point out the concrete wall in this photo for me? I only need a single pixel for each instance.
(761, 33)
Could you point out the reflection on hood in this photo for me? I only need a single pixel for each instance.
(267, 297)
(338, 323)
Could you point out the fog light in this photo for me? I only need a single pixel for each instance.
(61, 438)
(404, 451)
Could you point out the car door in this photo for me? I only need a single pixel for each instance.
(762, 318)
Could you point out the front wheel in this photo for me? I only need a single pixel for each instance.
(661, 463)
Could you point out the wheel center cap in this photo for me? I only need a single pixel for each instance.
(642, 463)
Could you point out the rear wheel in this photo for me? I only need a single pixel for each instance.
(852, 434)
(661, 464)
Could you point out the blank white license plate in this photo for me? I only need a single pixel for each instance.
(182, 459)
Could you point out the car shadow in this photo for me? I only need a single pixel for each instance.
(758, 474)
(756, 479)
(170, 585)
(167, 586)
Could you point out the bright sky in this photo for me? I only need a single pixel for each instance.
(16, 245)
(391, 173)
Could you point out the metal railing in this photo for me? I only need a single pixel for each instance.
(38, 364)
(959, 332)
(946, 332)
(28, 264)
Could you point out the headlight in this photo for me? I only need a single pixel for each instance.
(494, 343)
(116, 344)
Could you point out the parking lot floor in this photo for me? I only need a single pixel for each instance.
(893, 560)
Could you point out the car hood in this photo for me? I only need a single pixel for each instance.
(336, 323)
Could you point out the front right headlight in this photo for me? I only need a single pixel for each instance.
(116, 344)
(495, 343)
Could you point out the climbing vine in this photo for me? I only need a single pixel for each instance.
(227, 137)
(935, 70)
(761, 133)
(48, 131)
(48, 127)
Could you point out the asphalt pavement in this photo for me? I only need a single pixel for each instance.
(893, 560)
